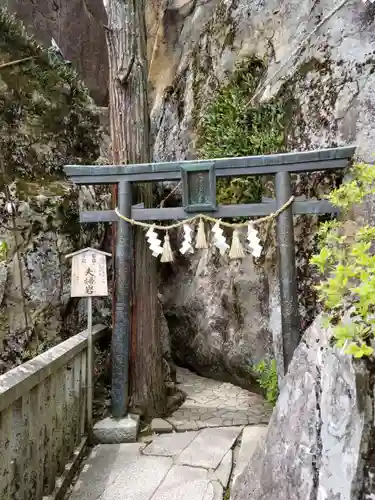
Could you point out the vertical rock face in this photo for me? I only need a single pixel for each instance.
(320, 69)
(78, 28)
(319, 58)
(319, 440)
(218, 315)
(47, 121)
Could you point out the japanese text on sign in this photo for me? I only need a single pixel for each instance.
(89, 275)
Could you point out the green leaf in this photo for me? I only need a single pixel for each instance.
(359, 351)
(322, 259)
(348, 263)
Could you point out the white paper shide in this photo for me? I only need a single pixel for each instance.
(254, 241)
(154, 242)
(219, 240)
(187, 246)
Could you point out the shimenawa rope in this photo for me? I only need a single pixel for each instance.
(237, 225)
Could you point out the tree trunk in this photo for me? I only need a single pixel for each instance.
(130, 134)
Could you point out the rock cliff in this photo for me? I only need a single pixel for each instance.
(318, 69)
(318, 58)
(318, 74)
(319, 443)
(77, 27)
(47, 120)
(295, 75)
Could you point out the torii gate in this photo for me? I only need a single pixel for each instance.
(199, 195)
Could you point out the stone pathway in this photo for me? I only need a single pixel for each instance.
(210, 403)
(198, 462)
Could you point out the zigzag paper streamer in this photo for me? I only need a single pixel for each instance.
(219, 240)
(186, 246)
(153, 242)
(254, 241)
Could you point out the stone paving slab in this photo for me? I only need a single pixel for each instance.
(214, 491)
(139, 480)
(209, 447)
(119, 472)
(211, 403)
(103, 466)
(177, 466)
(224, 469)
(161, 426)
(188, 483)
(170, 445)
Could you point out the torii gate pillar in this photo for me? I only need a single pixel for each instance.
(122, 327)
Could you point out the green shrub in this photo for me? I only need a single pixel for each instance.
(347, 262)
(267, 379)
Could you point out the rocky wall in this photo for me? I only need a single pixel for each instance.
(47, 120)
(318, 60)
(319, 68)
(319, 443)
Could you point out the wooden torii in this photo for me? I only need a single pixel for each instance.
(199, 195)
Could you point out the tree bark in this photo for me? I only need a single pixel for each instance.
(130, 134)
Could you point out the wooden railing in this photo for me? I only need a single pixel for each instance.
(43, 419)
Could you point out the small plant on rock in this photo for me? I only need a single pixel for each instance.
(3, 250)
(267, 379)
(347, 262)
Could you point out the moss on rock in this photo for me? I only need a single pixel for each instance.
(230, 126)
(46, 115)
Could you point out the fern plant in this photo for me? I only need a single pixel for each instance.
(229, 127)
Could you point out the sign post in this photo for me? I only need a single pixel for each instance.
(89, 279)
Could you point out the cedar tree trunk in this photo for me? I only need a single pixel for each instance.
(130, 134)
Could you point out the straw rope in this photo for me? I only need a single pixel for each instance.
(237, 225)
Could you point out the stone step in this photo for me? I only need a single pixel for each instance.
(161, 426)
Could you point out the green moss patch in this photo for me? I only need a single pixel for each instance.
(46, 115)
(231, 127)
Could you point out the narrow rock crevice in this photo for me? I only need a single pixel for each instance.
(317, 456)
(368, 490)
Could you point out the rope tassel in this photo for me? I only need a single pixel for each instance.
(201, 236)
(236, 250)
(167, 255)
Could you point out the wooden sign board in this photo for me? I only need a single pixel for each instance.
(89, 273)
